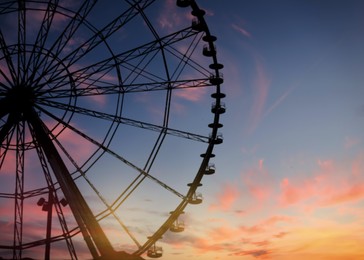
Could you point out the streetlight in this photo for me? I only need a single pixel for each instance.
(48, 206)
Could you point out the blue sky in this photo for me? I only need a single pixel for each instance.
(289, 179)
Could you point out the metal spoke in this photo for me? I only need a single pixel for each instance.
(8, 60)
(109, 151)
(91, 89)
(6, 7)
(123, 120)
(121, 58)
(21, 43)
(6, 133)
(66, 35)
(108, 206)
(99, 37)
(55, 202)
(19, 189)
(42, 36)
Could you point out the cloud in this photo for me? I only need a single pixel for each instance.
(241, 30)
(191, 94)
(257, 181)
(321, 188)
(261, 85)
(352, 192)
(168, 19)
(226, 198)
(257, 253)
(266, 225)
(279, 101)
(79, 148)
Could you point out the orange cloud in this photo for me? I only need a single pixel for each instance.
(351, 193)
(321, 189)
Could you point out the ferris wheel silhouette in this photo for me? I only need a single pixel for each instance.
(98, 128)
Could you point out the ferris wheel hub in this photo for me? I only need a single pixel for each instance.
(20, 99)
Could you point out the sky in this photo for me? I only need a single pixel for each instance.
(289, 181)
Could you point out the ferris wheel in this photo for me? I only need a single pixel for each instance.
(109, 114)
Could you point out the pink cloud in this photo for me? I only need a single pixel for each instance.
(257, 182)
(79, 148)
(292, 194)
(266, 225)
(226, 198)
(353, 192)
(8, 166)
(191, 94)
(168, 18)
(321, 189)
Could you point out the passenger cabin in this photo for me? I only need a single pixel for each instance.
(210, 169)
(220, 109)
(196, 197)
(218, 139)
(178, 225)
(197, 25)
(216, 80)
(155, 251)
(208, 51)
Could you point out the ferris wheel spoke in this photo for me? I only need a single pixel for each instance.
(6, 128)
(63, 40)
(21, 42)
(116, 155)
(8, 60)
(126, 121)
(93, 89)
(19, 190)
(42, 36)
(6, 133)
(109, 207)
(119, 59)
(4, 107)
(9, 6)
(98, 37)
(53, 195)
(186, 59)
(103, 34)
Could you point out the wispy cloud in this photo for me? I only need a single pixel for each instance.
(241, 30)
(191, 94)
(279, 101)
(261, 85)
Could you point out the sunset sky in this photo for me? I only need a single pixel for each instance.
(289, 181)
(290, 178)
